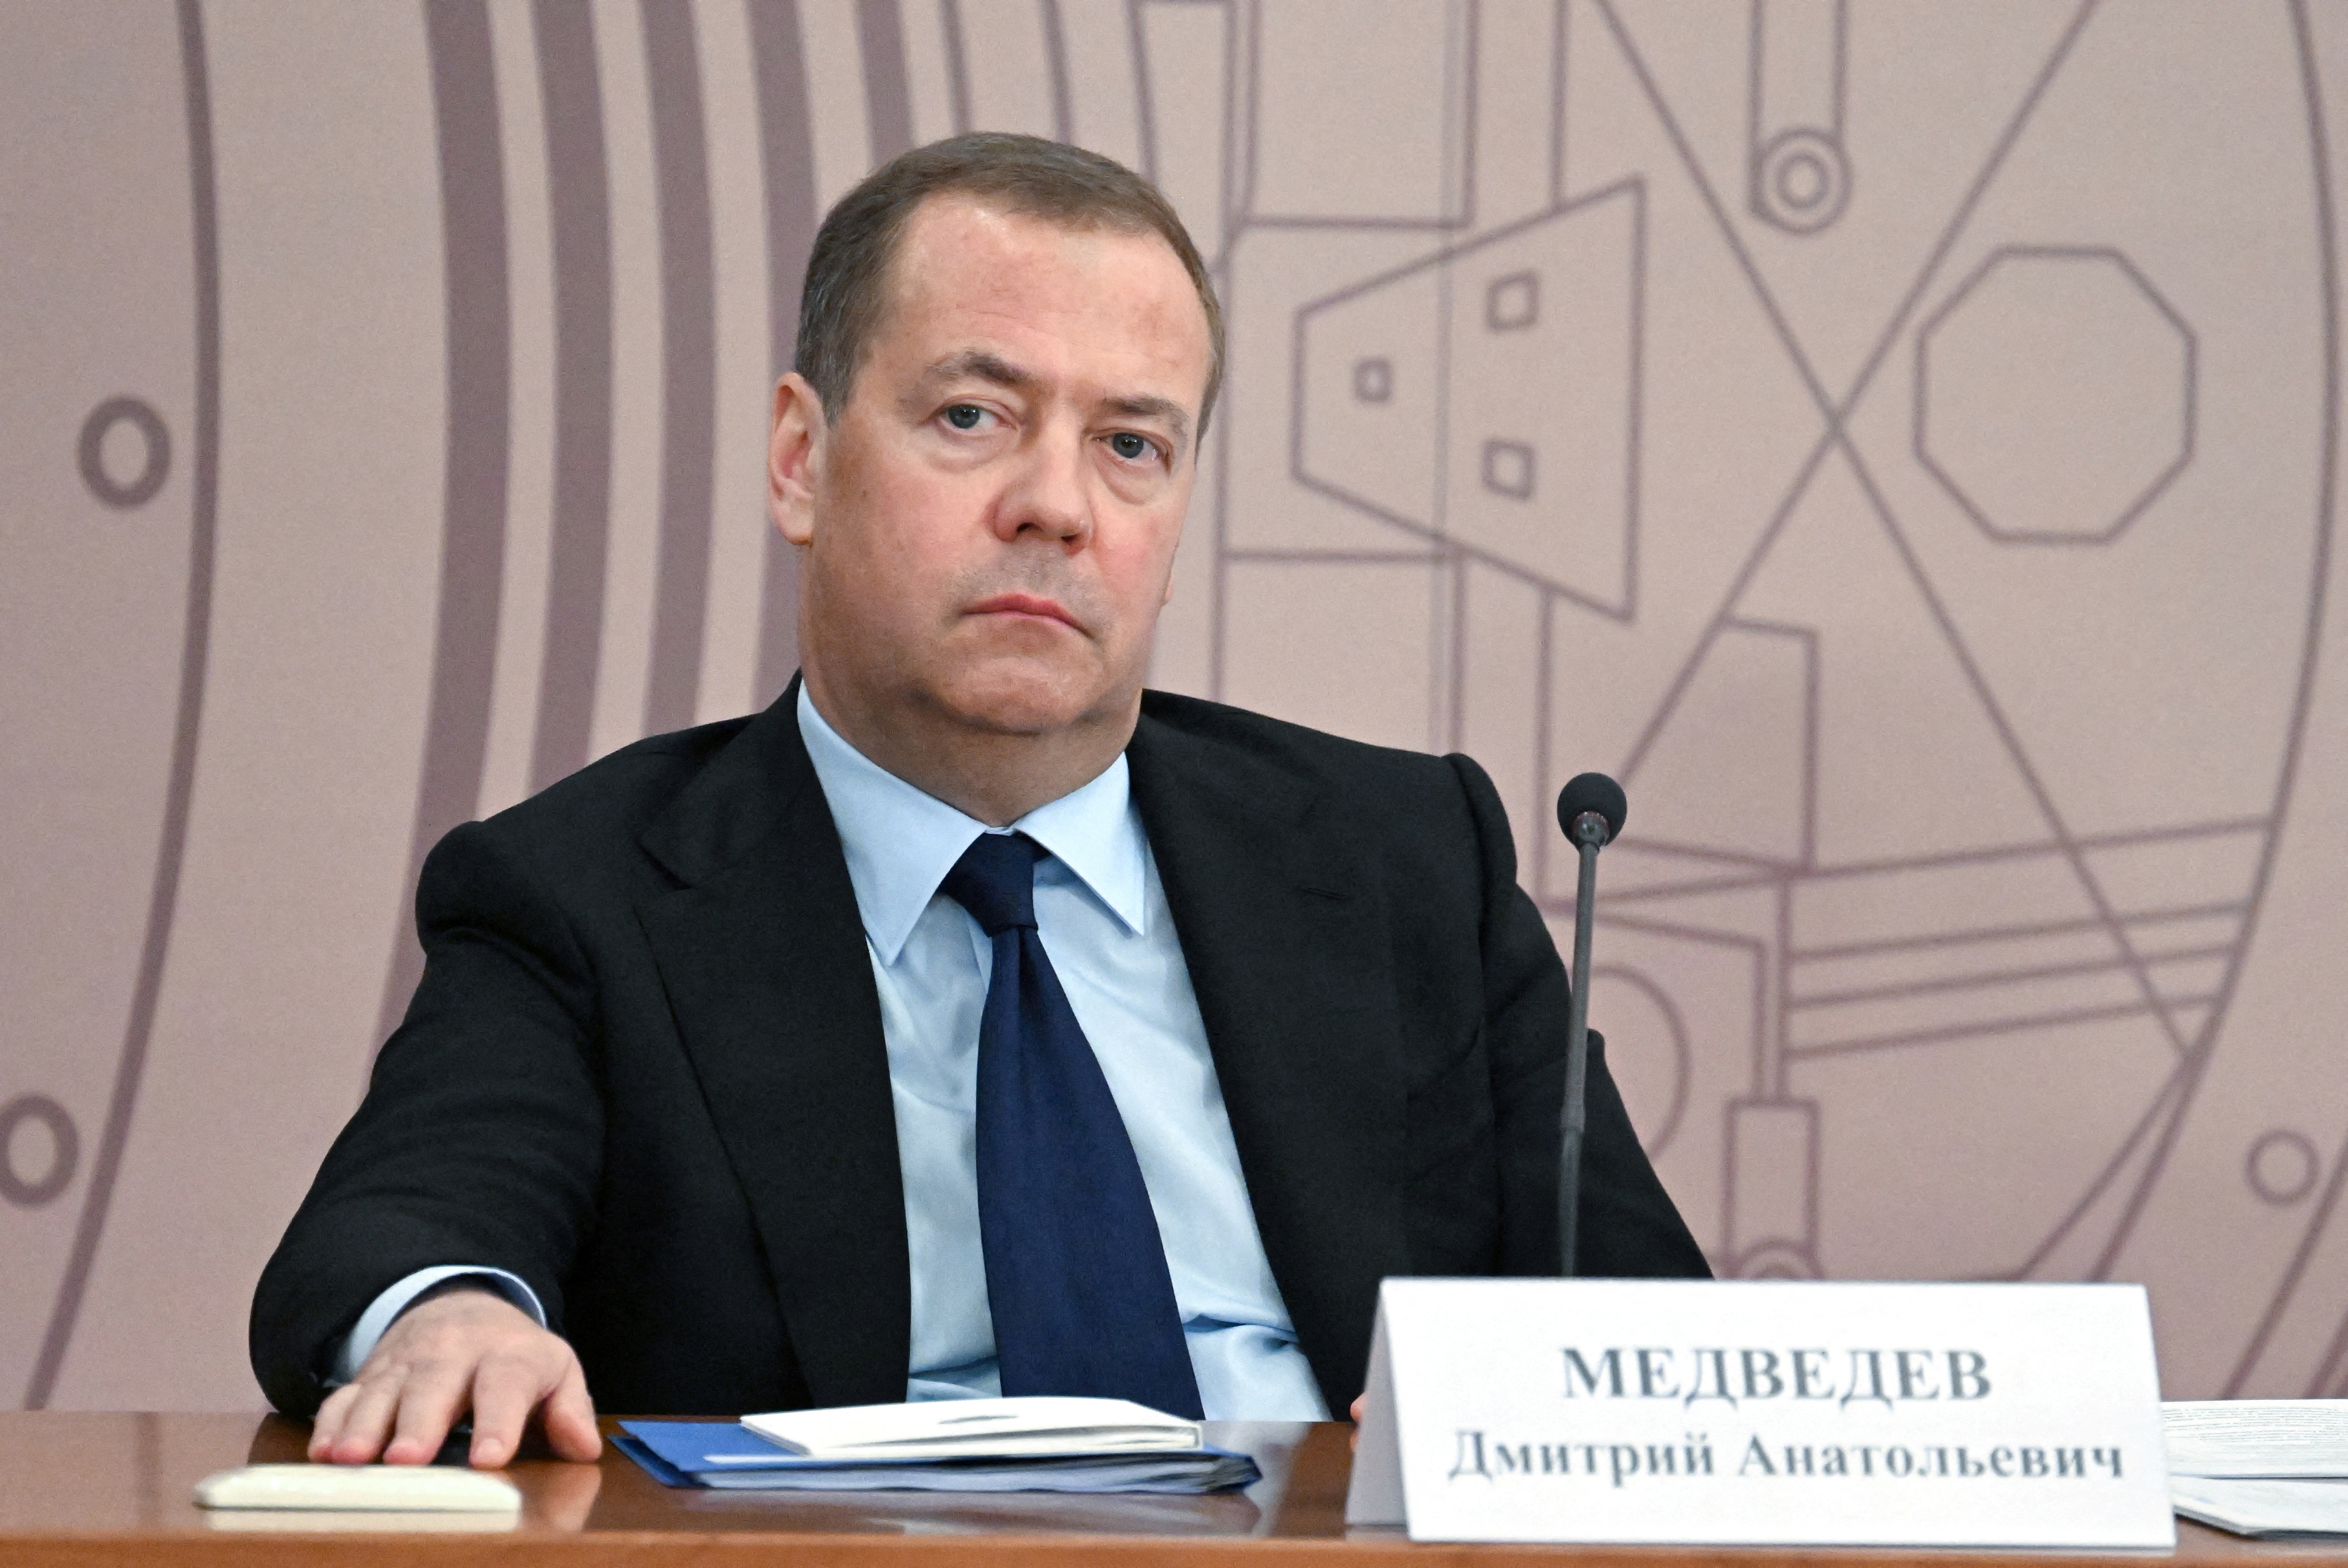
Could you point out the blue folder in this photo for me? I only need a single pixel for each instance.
(727, 1455)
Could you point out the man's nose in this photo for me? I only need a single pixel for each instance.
(1048, 493)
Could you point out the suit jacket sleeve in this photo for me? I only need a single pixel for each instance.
(480, 1138)
(1628, 1224)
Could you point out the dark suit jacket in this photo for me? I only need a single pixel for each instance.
(644, 1068)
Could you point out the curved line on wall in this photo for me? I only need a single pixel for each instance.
(1055, 60)
(204, 492)
(888, 99)
(787, 164)
(473, 505)
(2328, 266)
(2161, 1112)
(579, 194)
(688, 365)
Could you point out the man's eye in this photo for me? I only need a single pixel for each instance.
(964, 415)
(1129, 446)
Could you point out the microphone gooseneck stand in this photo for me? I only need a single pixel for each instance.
(1590, 810)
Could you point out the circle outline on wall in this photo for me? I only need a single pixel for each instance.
(2282, 1193)
(90, 452)
(1806, 148)
(38, 1107)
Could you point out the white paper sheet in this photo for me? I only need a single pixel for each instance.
(2263, 1507)
(941, 1429)
(2245, 1439)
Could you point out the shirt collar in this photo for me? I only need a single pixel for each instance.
(900, 842)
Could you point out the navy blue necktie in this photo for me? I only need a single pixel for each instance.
(1076, 1272)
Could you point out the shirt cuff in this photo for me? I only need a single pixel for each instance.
(386, 1308)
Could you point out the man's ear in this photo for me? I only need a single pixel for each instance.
(794, 453)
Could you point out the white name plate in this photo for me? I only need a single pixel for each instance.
(1763, 1412)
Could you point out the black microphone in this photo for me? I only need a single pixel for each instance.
(1590, 810)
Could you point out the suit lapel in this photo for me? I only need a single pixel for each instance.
(763, 958)
(1284, 932)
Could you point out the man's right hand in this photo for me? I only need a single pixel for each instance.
(464, 1349)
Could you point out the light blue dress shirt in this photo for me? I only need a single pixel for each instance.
(1101, 913)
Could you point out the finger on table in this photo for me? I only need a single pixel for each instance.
(327, 1425)
(571, 1418)
(508, 1385)
(432, 1397)
(367, 1425)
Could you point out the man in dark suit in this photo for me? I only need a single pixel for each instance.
(722, 1082)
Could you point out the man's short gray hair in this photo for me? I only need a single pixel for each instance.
(846, 297)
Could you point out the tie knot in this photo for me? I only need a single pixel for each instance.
(995, 881)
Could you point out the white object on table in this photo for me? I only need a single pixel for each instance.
(2257, 1438)
(2264, 1508)
(360, 1488)
(1029, 1427)
(1798, 1413)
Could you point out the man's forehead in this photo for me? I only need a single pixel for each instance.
(955, 243)
(955, 217)
(970, 277)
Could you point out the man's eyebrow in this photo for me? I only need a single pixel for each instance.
(976, 364)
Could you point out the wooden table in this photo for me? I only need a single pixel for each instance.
(115, 1489)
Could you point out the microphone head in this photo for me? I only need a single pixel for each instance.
(1592, 792)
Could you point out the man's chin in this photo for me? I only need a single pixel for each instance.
(1033, 702)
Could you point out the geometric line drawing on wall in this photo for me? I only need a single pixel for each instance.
(2130, 963)
(2288, 1298)
(171, 842)
(577, 657)
(1505, 424)
(2188, 1015)
(2054, 394)
(1799, 176)
(125, 457)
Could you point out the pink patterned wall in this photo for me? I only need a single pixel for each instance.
(1898, 438)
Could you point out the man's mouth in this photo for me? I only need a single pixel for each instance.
(1026, 604)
